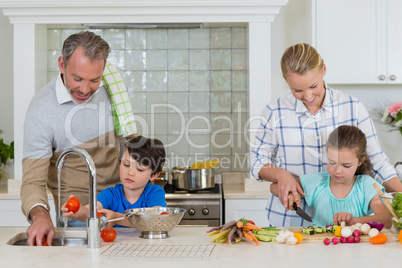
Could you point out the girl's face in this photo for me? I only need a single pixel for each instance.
(342, 165)
(134, 176)
(308, 88)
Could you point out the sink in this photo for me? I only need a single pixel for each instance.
(73, 237)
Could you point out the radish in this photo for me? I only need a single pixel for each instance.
(335, 240)
(327, 241)
(357, 233)
(350, 239)
(343, 239)
(356, 239)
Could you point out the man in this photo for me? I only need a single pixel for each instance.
(74, 109)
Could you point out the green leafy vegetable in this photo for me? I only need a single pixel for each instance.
(397, 207)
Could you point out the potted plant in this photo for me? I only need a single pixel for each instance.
(6, 152)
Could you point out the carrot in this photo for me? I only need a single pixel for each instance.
(250, 233)
(252, 226)
(246, 235)
(239, 224)
(239, 233)
(228, 225)
(231, 233)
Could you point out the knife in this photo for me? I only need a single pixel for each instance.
(301, 212)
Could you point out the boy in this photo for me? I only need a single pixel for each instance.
(141, 160)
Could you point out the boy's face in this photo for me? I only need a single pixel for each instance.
(134, 176)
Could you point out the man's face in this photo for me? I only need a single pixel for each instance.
(81, 76)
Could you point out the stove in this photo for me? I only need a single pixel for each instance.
(203, 207)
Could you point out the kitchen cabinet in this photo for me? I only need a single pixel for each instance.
(11, 215)
(359, 40)
(252, 209)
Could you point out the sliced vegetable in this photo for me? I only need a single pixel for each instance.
(377, 225)
(365, 228)
(379, 239)
(338, 231)
(299, 237)
(373, 232)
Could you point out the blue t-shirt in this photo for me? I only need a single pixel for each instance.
(326, 205)
(113, 198)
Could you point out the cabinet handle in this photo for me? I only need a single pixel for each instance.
(392, 77)
(381, 77)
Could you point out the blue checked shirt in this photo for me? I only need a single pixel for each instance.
(291, 138)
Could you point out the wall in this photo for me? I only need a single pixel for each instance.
(292, 25)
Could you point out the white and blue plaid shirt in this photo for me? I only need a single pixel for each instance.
(291, 138)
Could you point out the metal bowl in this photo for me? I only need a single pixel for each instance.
(151, 223)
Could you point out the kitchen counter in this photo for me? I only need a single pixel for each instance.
(236, 185)
(243, 254)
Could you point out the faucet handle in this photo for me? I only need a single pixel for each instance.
(103, 221)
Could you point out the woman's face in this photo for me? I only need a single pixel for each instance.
(308, 88)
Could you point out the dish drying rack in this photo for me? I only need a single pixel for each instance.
(158, 251)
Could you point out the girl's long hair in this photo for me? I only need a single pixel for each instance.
(352, 138)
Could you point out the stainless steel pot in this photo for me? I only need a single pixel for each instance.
(193, 179)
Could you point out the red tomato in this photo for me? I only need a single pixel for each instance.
(251, 222)
(108, 235)
(164, 213)
(99, 214)
(44, 242)
(73, 204)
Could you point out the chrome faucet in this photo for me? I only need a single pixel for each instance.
(93, 229)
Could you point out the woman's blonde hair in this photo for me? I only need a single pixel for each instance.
(300, 58)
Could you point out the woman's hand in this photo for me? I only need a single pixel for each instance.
(289, 187)
(343, 216)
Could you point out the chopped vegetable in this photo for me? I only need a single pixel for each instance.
(346, 231)
(379, 239)
(377, 225)
(299, 237)
(338, 231)
(373, 232)
(365, 228)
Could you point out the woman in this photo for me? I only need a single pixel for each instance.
(291, 140)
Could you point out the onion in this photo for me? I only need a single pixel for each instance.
(377, 225)
(365, 228)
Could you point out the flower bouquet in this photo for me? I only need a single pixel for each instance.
(393, 116)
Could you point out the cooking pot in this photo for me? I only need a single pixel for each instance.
(193, 179)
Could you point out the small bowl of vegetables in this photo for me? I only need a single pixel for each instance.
(396, 203)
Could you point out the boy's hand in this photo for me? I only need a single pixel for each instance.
(343, 216)
(70, 214)
(110, 215)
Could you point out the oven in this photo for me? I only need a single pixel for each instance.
(203, 207)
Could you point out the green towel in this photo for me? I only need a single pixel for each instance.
(123, 116)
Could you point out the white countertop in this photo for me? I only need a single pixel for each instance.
(243, 254)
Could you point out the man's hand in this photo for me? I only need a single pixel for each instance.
(41, 225)
(288, 186)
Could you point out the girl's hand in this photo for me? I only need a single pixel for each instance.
(343, 216)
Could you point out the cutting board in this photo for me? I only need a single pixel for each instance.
(318, 238)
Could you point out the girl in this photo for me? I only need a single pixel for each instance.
(346, 192)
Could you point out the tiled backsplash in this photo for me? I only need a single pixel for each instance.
(188, 88)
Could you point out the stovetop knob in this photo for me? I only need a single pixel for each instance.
(205, 211)
(191, 212)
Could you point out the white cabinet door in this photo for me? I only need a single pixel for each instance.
(252, 209)
(359, 40)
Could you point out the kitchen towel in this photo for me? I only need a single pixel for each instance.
(123, 116)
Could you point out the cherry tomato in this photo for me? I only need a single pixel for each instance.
(108, 235)
(44, 242)
(251, 222)
(99, 214)
(73, 204)
(164, 213)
